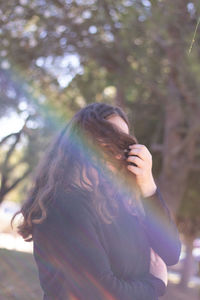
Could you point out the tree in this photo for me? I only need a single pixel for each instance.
(19, 154)
(137, 49)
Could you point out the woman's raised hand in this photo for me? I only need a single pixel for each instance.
(158, 267)
(141, 156)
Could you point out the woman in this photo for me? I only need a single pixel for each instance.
(100, 227)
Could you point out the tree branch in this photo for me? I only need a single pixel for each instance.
(7, 137)
(16, 182)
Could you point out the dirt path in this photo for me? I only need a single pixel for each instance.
(18, 276)
(174, 293)
(19, 279)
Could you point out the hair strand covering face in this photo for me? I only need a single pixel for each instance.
(88, 142)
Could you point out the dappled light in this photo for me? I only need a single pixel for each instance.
(142, 56)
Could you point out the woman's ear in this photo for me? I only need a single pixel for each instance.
(119, 156)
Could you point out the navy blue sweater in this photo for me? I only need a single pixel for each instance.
(80, 257)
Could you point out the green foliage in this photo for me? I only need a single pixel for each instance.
(131, 53)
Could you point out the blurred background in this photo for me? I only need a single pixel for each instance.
(57, 56)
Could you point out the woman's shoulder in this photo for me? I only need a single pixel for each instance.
(75, 201)
(69, 209)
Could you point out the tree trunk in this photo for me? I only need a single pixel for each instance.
(120, 95)
(188, 263)
(173, 188)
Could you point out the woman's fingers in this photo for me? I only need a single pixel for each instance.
(141, 151)
(141, 167)
(158, 267)
(135, 159)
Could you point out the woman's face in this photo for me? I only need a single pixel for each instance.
(119, 122)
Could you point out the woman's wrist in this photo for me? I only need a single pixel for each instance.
(149, 189)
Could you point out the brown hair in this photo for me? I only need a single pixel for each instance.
(88, 140)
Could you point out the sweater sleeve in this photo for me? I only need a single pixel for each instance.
(161, 229)
(88, 259)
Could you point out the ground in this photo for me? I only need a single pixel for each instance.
(19, 279)
(18, 276)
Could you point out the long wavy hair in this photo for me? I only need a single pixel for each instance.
(89, 141)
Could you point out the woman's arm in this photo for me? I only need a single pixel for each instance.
(161, 229)
(158, 267)
(159, 226)
(89, 259)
